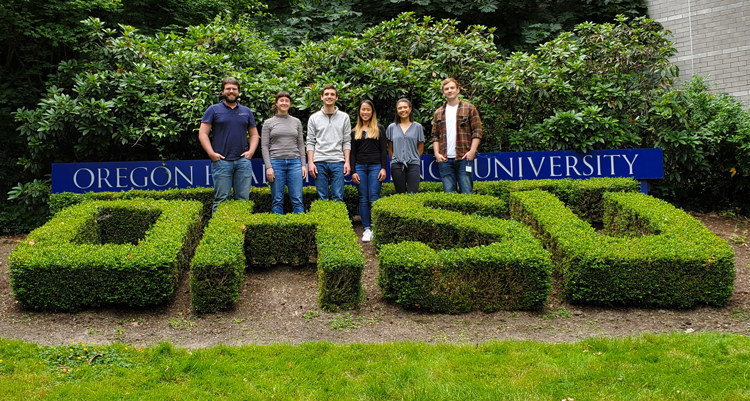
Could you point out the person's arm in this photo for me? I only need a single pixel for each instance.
(203, 131)
(476, 133)
(436, 149)
(353, 158)
(301, 149)
(347, 129)
(383, 145)
(347, 166)
(389, 133)
(253, 143)
(472, 153)
(420, 148)
(311, 141)
(311, 164)
(436, 138)
(265, 142)
(353, 153)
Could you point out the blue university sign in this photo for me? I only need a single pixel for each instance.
(641, 164)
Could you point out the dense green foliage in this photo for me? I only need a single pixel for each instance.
(236, 237)
(484, 262)
(650, 253)
(40, 37)
(132, 96)
(706, 142)
(518, 25)
(125, 252)
(675, 366)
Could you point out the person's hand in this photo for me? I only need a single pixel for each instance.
(246, 155)
(355, 178)
(312, 169)
(215, 157)
(440, 158)
(269, 174)
(304, 173)
(347, 169)
(381, 175)
(469, 155)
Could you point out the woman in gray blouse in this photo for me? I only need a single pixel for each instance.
(405, 146)
(283, 149)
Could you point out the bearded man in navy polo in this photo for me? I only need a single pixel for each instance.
(230, 150)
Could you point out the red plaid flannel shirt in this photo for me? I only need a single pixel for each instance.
(468, 126)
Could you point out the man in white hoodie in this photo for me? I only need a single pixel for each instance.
(328, 147)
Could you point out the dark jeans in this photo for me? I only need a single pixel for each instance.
(405, 177)
(369, 190)
(454, 170)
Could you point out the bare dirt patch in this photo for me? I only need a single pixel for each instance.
(280, 305)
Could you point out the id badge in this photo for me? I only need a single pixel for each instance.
(468, 168)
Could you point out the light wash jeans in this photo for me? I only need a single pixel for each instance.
(330, 174)
(287, 173)
(228, 174)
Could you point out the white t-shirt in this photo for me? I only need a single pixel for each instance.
(450, 129)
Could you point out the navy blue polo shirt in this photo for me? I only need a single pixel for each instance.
(229, 126)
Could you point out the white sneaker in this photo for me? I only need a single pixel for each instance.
(367, 235)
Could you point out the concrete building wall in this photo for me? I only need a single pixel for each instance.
(712, 39)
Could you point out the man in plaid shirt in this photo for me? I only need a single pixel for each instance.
(456, 132)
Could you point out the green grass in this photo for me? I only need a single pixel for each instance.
(706, 366)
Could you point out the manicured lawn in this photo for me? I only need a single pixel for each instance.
(649, 367)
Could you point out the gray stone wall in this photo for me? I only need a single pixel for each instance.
(712, 39)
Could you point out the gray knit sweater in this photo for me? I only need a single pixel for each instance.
(282, 138)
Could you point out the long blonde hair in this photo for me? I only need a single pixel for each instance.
(372, 126)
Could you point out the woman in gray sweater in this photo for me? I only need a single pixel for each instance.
(283, 149)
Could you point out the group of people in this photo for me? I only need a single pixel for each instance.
(333, 149)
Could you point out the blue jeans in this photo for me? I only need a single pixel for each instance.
(228, 174)
(330, 174)
(453, 169)
(369, 190)
(287, 173)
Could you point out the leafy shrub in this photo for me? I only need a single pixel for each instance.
(27, 207)
(482, 262)
(706, 142)
(76, 260)
(655, 254)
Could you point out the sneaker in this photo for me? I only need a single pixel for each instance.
(367, 235)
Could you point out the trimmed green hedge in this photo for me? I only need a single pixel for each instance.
(127, 252)
(236, 238)
(496, 264)
(656, 255)
(583, 197)
(219, 262)
(205, 196)
(261, 196)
